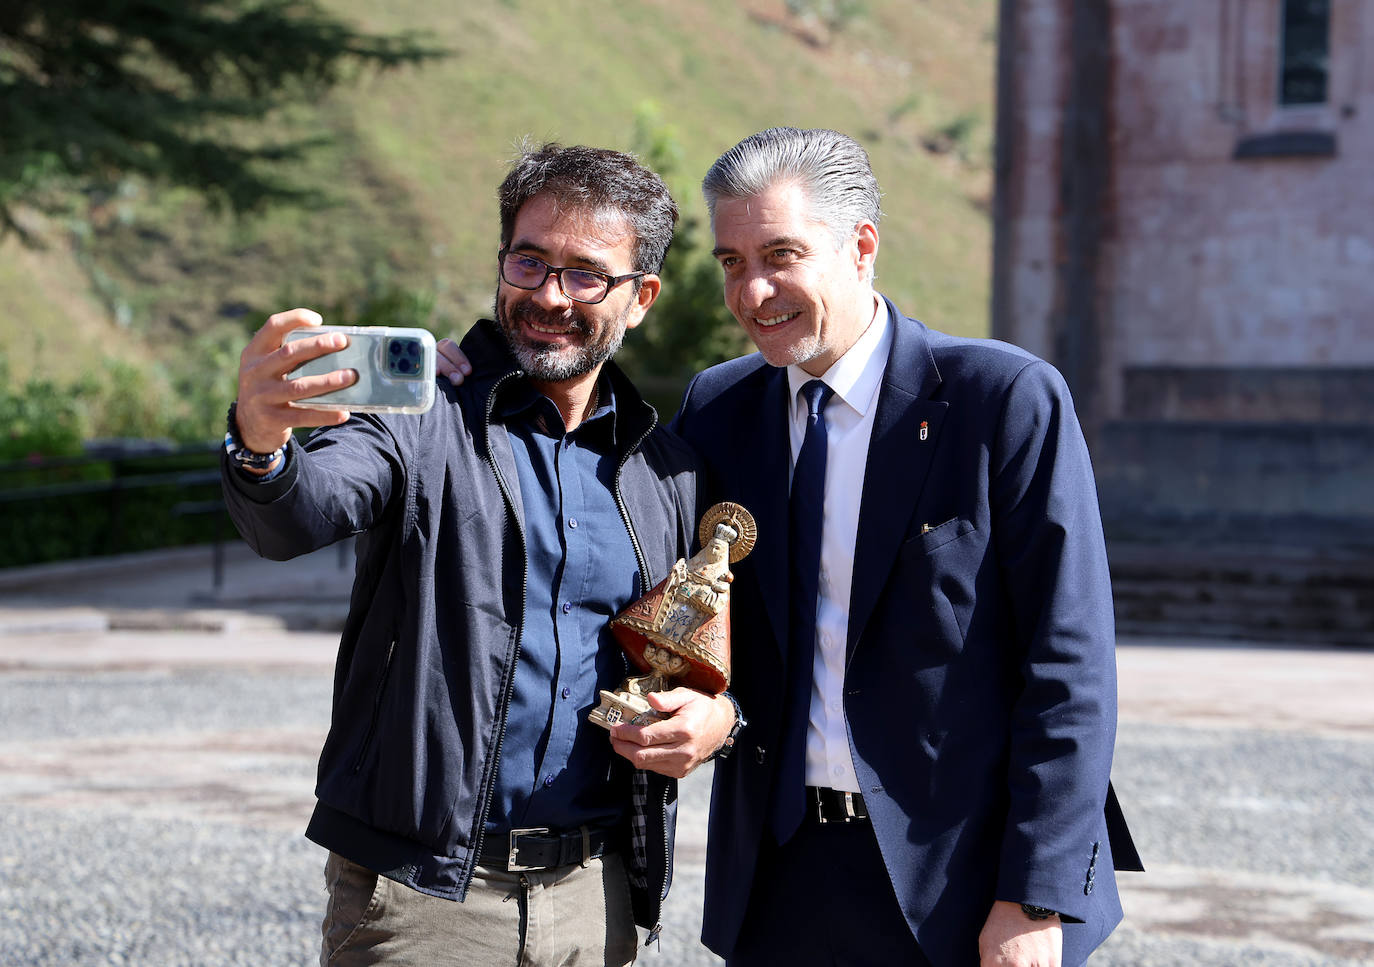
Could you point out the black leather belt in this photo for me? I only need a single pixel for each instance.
(834, 805)
(540, 848)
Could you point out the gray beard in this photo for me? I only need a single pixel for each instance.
(551, 364)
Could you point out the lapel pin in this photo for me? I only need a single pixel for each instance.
(925, 430)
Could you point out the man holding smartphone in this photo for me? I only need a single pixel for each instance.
(497, 534)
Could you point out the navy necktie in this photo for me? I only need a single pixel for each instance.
(805, 519)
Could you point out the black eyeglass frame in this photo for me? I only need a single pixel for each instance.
(557, 271)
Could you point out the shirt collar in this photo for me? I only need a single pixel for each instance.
(521, 401)
(855, 376)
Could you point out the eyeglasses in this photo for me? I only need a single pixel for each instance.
(579, 285)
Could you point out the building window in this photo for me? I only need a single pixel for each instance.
(1305, 51)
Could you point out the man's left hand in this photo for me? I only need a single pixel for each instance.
(452, 362)
(696, 727)
(1012, 939)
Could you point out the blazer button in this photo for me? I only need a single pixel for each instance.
(760, 753)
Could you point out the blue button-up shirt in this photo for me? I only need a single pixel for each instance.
(555, 766)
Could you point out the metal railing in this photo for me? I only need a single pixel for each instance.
(129, 467)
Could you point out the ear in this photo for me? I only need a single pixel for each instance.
(649, 286)
(866, 248)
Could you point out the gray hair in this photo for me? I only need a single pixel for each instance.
(597, 180)
(832, 169)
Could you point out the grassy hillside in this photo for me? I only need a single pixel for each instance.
(145, 276)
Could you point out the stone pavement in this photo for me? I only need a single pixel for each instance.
(137, 693)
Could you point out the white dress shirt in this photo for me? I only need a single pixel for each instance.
(855, 377)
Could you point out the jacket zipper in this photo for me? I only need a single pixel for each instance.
(504, 708)
(524, 591)
(657, 930)
(625, 512)
(376, 707)
(644, 578)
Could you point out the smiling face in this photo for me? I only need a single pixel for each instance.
(802, 299)
(554, 338)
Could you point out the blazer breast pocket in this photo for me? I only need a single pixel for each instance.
(933, 536)
(938, 570)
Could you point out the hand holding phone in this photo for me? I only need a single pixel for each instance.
(265, 415)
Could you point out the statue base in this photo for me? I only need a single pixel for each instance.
(623, 706)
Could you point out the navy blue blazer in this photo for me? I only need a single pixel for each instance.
(980, 685)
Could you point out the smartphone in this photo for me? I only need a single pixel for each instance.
(395, 367)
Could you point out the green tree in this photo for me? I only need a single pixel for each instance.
(174, 91)
(689, 327)
(38, 418)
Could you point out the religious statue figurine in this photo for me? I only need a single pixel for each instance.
(679, 633)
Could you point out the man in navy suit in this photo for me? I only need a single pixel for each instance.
(946, 800)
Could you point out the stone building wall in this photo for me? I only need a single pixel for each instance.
(1203, 259)
(1266, 261)
(1198, 260)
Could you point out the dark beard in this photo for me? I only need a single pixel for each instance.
(548, 363)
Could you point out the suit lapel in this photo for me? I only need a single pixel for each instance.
(906, 430)
(764, 474)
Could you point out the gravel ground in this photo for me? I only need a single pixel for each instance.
(1250, 801)
(123, 866)
(1260, 843)
(106, 888)
(1260, 847)
(43, 705)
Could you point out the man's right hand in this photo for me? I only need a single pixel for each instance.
(696, 727)
(264, 415)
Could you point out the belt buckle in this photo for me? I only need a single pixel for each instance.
(511, 865)
(845, 802)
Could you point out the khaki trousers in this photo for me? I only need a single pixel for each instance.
(565, 917)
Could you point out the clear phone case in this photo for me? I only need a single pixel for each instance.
(395, 367)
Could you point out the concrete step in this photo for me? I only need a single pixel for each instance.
(1299, 483)
(1277, 394)
(1262, 592)
(1219, 617)
(1254, 564)
(1157, 628)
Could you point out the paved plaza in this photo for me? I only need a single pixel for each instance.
(159, 728)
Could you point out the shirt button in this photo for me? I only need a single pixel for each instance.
(566, 692)
(548, 781)
(834, 706)
(572, 522)
(567, 606)
(837, 771)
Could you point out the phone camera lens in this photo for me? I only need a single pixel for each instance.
(404, 357)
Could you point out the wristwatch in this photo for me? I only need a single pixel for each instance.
(728, 745)
(1038, 913)
(241, 456)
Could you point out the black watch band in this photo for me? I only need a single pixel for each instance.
(728, 745)
(241, 456)
(1038, 913)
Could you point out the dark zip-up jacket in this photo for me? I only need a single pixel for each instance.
(428, 654)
